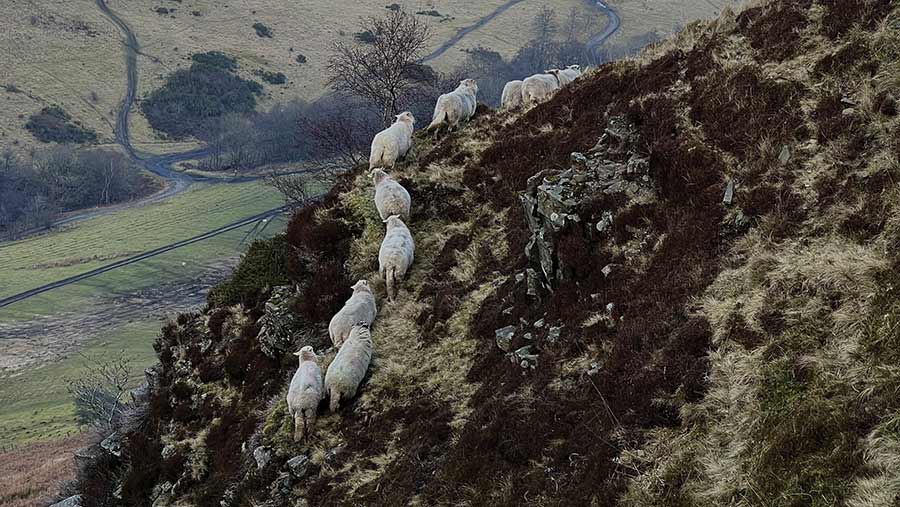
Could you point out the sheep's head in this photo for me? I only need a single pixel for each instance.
(575, 67)
(470, 84)
(362, 285)
(406, 117)
(393, 221)
(378, 175)
(306, 354)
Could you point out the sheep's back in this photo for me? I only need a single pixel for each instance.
(350, 364)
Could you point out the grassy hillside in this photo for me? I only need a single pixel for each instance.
(68, 54)
(696, 307)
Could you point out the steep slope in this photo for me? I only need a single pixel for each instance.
(673, 284)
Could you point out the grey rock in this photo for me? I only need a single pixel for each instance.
(848, 111)
(528, 336)
(553, 333)
(539, 323)
(608, 269)
(162, 494)
(507, 311)
(610, 307)
(728, 198)
(282, 486)
(595, 369)
(263, 456)
(112, 444)
(504, 336)
(524, 357)
(299, 466)
(533, 282)
(579, 158)
(605, 221)
(72, 501)
(520, 277)
(785, 156)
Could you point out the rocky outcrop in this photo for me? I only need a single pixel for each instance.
(553, 199)
(280, 324)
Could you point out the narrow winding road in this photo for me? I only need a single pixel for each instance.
(594, 43)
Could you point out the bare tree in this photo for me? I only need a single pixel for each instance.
(544, 29)
(99, 395)
(380, 69)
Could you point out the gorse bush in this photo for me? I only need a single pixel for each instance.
(53, 125)
(215, 59)
(191, 97)
(262, 30)
(264, 265)
(274, 78)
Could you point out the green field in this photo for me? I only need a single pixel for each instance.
(34, 401)
(87, 245)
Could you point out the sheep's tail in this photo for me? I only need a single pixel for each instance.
(440, 115)
(309, 421)
(390, 279)
(335, 402)
(376, 156)
(299, 426)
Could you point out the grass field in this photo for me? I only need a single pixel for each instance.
(35, 404)
(33, 262)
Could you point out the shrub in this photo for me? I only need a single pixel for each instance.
(193, 96)
(53, 125)
(215, 59)
(301, 58)
(393, 7)
(262, 30)
(264, 265)
(274, 78)
(366, 37)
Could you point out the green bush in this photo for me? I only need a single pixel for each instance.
(264, 265)
(216, 59)
(273, 78)
(262, 30)
(195, 95)
(53, 125)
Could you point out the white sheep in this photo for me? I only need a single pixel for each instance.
(393, 142)
(349, 366)
(305, 393)
(512, 95)
(390, 197)
(567, 75)
(360, 307)
(455, 107)
(539, 87)
(396, 254)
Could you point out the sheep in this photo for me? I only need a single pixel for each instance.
(567, 75)
(360, 307)
(539, 87)
(396, 254)
(393, 142)
(349, 366)
(305, 393)
(455, 107)
(512, 95)
(390, 197)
